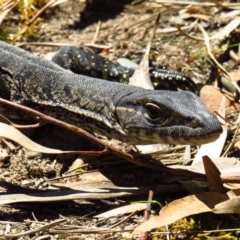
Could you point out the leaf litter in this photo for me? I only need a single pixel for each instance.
(50, 172)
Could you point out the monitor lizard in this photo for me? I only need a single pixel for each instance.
(115, 110)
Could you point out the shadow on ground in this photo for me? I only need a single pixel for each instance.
(100, 10)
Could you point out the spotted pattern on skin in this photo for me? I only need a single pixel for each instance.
(112, 71)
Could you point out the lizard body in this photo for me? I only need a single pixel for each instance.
(116, 110)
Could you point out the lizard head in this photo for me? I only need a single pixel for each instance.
(166, 117)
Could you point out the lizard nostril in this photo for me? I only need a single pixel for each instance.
(195, 124)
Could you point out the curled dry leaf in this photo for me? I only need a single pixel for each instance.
(123, 210)
(213, 176)
(141, 77)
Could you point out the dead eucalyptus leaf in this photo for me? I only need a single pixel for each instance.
(193, 204)
(213, 176)
(227, 166)
(229, 206)
(13, 134)
(141, 76)
(214, 149)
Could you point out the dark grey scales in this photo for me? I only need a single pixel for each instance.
(113, 109)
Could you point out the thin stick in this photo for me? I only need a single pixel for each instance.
(152, 165)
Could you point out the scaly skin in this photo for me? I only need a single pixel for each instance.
(116, 110)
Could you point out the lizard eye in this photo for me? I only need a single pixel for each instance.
(153, 112)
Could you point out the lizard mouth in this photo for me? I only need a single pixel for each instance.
(198, 139)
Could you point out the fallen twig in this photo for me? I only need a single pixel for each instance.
(42, 118)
